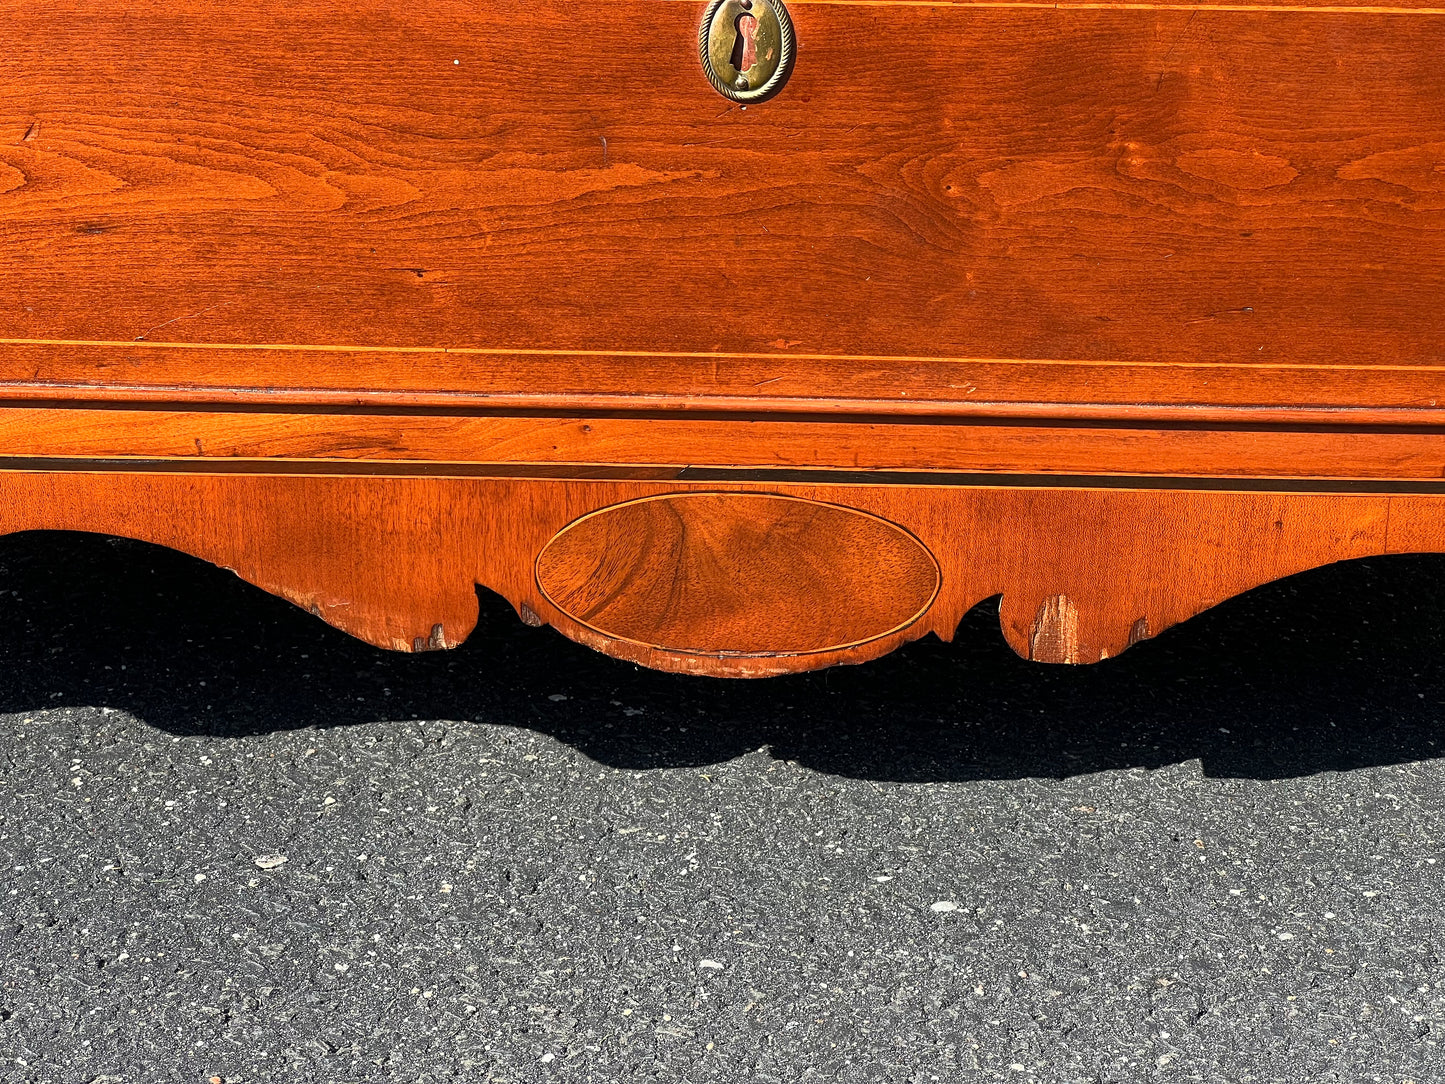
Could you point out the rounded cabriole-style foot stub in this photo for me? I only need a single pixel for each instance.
(737, 575)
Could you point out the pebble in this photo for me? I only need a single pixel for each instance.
(944, 906)
(712, 965)
(271, 861)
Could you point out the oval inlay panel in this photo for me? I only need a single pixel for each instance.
(738, 574)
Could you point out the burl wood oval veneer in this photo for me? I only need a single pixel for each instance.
(737, 575)
(1110, 309)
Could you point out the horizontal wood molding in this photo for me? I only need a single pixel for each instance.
(772, 476)
(200, 437)
(457, 379)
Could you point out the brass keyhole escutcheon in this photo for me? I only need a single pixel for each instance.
(747, 48)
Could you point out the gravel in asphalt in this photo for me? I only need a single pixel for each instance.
(239, 846)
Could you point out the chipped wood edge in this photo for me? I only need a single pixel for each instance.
(398, 560)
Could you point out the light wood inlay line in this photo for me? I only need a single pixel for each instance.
(1027, 5)
(902, 359)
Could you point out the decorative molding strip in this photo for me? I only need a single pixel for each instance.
(764, 476)
(723, 355)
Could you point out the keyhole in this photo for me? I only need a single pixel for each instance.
(745, 48)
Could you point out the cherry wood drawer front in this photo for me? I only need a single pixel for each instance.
(947, 203)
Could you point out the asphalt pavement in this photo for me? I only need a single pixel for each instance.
(239, 846)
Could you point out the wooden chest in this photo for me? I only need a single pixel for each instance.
(1111, 309)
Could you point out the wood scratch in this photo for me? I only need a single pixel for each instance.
(1247, 310)
(1174, 45)
(175, 319)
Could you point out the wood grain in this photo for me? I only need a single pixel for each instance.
(1083, 573)
(460, 379)
(197, 436)
(1041, 258)
(1149, 186)
(737, 574)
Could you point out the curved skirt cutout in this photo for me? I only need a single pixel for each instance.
(750, 582)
